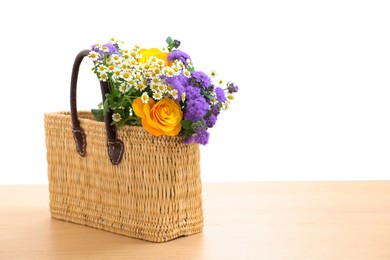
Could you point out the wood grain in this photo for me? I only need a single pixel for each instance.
(264, 220)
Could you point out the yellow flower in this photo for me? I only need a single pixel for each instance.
(161, 118)
(147, 53)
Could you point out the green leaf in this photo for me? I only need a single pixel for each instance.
(190, 68)
(208, 95)
(98, 114)
(186, 124)
(169, 40)
(105, 107)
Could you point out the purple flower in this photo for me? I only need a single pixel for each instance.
(232, 88)
(201, 137)
(189, 140)
(111, 49)
(196, 109)
(200, 79)
(176, 84)
(95, 48)
(220, 93)
(210, 121)
(179, 55)
(183, 80)
(215, 110)
(192, 93)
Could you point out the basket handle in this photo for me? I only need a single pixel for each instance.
(115, 147)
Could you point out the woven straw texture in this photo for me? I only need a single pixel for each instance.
(153, 194)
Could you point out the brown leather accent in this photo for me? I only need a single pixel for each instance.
(115, 150)
(115, 146)
(79, 137)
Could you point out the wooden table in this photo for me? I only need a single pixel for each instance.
(270, 220)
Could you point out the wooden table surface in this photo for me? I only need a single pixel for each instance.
(263, 220)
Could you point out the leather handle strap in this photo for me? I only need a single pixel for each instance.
(115, 147)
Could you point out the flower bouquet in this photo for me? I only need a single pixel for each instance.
(159, 90)
(133, 175)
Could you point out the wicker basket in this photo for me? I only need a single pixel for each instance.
(152, 192)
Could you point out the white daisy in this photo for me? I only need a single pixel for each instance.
(170, 73)
(103, 77)
(148, 74)
(101, 69)
(124, 88)
(187, 73)
(152, 60)
(105, 48)
(141, 86)
(116, 117)
(126, 56)
(134, 54)
(160, 62)
(179, 64)
(111, 68)
(176, 69)
(213, 74)
(132, 82)
(138, 76)
(93, 55)
(154, 86)
(183, 96)
(117, 73)
(156, 80)
(157, 95)
(130, 111)
(116, 58)
(145, 98)
(162, 88)
(126, 75)
(156, 71)
(173, 93)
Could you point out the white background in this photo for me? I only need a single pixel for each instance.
(313, 77)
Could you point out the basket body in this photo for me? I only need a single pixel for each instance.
(153, 194)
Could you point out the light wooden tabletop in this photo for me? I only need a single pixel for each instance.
(267, 220)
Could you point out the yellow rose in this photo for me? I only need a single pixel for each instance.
(147, 53)
(161, 118)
